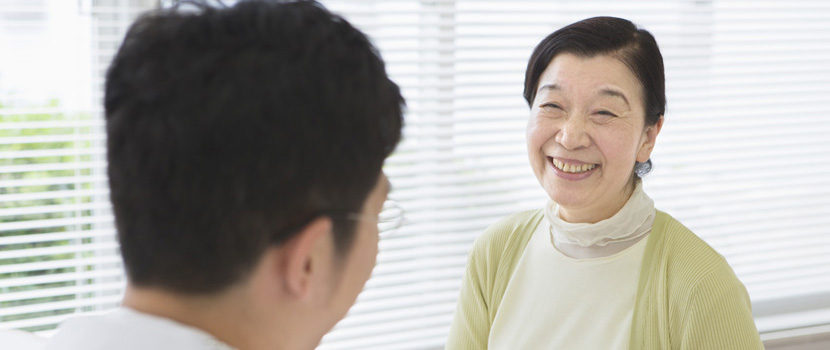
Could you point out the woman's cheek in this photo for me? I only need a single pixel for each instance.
(538, 132)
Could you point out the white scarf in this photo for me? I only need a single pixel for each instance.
(632, 221)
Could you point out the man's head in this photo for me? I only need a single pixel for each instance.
(232, 131)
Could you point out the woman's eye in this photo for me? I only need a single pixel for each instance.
(551, 106)
(606, 113)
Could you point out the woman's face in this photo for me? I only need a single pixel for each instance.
(586, 130)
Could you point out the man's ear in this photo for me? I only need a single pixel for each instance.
(306, 255)
(650, 137)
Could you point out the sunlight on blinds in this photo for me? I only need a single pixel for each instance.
(58, 253)
(743, 159)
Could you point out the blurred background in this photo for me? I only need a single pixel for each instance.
(743, 159)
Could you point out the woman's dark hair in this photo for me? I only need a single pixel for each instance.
(615, 37)
(230, 128)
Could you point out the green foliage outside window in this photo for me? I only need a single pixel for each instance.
(18, 154)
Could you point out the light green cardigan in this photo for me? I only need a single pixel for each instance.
(687, 296)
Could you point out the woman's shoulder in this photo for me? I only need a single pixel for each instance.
(507, 236)
(687, 258)
(679, 241)
(702, 291)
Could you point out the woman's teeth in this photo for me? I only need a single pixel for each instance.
(568, 168)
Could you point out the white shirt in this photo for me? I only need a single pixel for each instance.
(127, 329)
(556, 302)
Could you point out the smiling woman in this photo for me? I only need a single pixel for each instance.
(584, 137)
(599, 259)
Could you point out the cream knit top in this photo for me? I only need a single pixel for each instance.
(576, 281)
(557, 302)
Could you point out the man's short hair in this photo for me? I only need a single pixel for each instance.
(230, 128)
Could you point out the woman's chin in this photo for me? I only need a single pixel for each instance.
(566, 197)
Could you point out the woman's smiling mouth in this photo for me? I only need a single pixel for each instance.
(570, 167)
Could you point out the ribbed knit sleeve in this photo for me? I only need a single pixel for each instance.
(491, 263)
(689, 298)
(471, 324)
(719, 314)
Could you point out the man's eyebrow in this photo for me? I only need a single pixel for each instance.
(614, 93)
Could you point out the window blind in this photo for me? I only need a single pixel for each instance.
(742, 160)
(58, 253)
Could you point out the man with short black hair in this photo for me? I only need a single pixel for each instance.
(245, 147)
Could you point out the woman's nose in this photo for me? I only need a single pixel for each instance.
(573, 134)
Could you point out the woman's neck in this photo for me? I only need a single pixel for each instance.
(599, 211)
(622, 229)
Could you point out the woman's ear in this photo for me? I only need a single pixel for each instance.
(649, 138)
